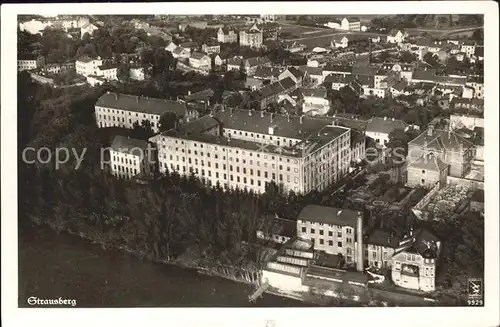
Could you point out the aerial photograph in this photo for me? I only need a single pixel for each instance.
(250, 160)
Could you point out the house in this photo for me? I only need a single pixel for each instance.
(333, 231)
(437, 152)
(250, 65)
(271, 93)
(278, 230)
(336, 70)
(171, 46)
(230, 37)
(29, 62)
(200, 61)
(181, 53)
(333, 24)
(351, 24)
(88, 66)
(202, 98)
(380, 246)
(218, 61)
(108, 72)
(94, 80)
(58, 68)
(158, 32)
(190, 46)
(414, 261)
(291, 72)
(469, 48)
(251, 37)
(339, 42)
(315, 101)
(315, 75)
(137, 73)
(266, 73)
(476, 83)
(131, 158)
(379, 128)
(234, 63)
(396, 36)
(209, 49)
(398, 88)
(474, 104)
(88, 28)
(338, 81)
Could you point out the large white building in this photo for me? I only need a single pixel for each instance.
(88, 66)
(29, 62)
(88, 28)
(123, 110)
(251, 38)
(229, 37)
(131, 157)
(247, 149)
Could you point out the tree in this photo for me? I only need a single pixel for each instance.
(431, 59)
(384, 56)
(407, 57)
(168, 121)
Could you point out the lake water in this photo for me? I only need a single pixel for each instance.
(55, 265)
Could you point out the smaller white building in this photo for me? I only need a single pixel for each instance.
(396, 36)
(340, 42)
(88, 28)
(29, 62)
(315, 101)
(131, 157)
(209, 49)
(108, 72)
(379, 129)
(137, 73)
(200, 61)
(87, 66)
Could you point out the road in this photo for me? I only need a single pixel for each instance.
(445, 32)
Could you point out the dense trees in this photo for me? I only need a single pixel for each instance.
(407, 57)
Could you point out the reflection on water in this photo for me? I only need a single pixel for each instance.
(55, 265)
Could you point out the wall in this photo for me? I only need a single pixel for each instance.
(470, 183)
(283, 282)
(430, 177)
(42, 79)
(427, 198)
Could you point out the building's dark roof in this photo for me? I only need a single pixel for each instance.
(400, 86)
(141, 104)
(281, 226)
(316, 92)
(428, 161)
(336, 78)
(27, 56)
(129, 145)
(314, 71)
(441, 140)
(241, 120)
(264, 72)
(189, 44)
(422, 242)
(353, 19)
(287, 83)
(257, 61)
(203, 95)
(198, 55)
(234, 61)
(295, 72)
(381, 125)
(366, 71)
(382, 238)
(329, 215)
(108, 66)
(341, 69)
(199, 125)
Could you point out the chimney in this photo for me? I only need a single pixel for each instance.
(231, 111)
(288, 116)
(385, 118)
(137, 99)
(249, 112)
(189, 92)
(301, 118)
(116, 97)
(271, 117)
(359, 253)
(262, 113)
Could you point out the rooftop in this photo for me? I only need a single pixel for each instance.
(384, 125)
(330, 215)
(140, 104)
(441, 140)
(382, 237)
(129, 145)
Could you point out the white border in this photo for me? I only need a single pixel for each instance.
(460, 316)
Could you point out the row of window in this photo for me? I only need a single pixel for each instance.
(125, 170)
(122, 112)
(321, 231)
(117, 119)
(124, 160)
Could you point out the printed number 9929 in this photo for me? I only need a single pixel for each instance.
(475, 302)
